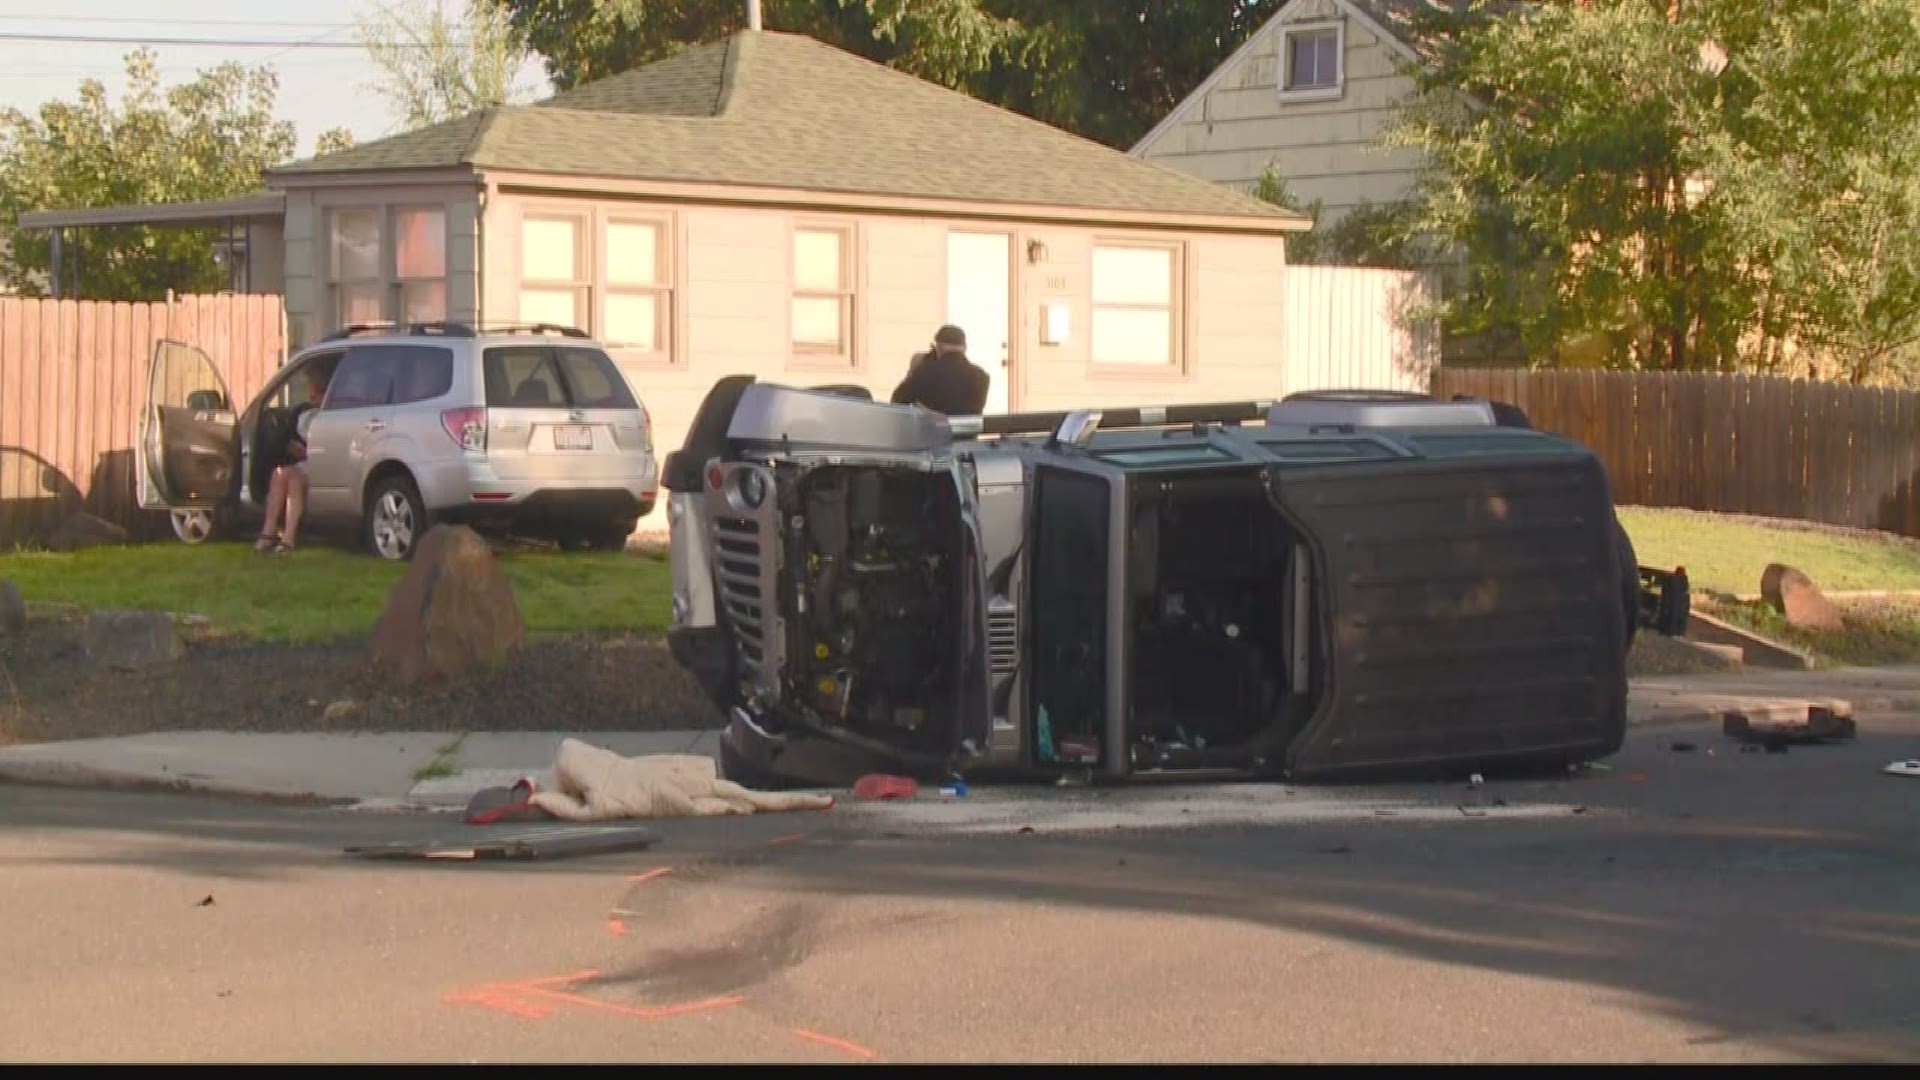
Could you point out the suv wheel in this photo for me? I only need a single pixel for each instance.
(612, 537)
(396, 518)
(193, 526)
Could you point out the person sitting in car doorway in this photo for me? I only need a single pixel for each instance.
(287, 491)
(943, 379)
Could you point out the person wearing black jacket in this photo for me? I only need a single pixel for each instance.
(943, 379)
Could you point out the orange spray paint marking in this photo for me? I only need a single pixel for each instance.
(638, 1014)
(535, 999)
(853, 1048)
(637, 879)
(787, 839)
(616, 928)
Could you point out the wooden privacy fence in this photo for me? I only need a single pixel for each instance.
(1828, 452)
(73, 378)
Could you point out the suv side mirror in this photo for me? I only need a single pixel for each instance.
(207, 401)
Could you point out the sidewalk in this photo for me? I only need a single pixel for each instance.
(421, 770)
(427, 770)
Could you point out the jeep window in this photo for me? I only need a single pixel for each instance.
(1314, 450)
(1155, 456)
(541, 376)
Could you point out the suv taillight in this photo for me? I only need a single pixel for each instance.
(468, 427)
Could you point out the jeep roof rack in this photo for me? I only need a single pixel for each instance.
(1045, 423)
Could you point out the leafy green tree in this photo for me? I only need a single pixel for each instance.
(1108, 70)
(435, 68)
(206, 139)
(1813, 147)
(1705, 185)
(332, 141)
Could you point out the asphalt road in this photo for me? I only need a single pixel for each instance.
(1699, 907)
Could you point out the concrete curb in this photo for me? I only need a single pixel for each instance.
(67, 775)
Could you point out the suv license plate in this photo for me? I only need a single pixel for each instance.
(573, 437)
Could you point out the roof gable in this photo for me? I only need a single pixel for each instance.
(785, 111)
(1414, 29)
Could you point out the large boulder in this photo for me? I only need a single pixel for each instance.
(131, 640)
(1794, 595)
(85, 531)
(451, 613)
(13, 609)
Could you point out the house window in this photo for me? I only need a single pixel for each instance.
(420, 263)
(553, 272)
(823, 293)
(1135, 323)
(354, 247)
(370, 286)
(638, 304)
(1311, 56)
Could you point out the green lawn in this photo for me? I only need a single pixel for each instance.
(320, 593)
(1727, 554)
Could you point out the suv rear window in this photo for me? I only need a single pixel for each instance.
(560, 377)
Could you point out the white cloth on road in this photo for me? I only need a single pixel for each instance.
(595, 784)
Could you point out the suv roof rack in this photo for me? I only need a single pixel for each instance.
(534, 328)
(419, 329)
(1045, 423)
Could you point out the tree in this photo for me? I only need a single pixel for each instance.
(1815, 149)
(1706, 185)
(1560, 164)
(433, 68)
(332, 141)
(209, 138)
(1107, 70)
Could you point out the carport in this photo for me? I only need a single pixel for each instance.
(252, 243)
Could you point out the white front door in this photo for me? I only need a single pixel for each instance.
(978, 284)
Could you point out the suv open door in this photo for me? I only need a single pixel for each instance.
(188, 454)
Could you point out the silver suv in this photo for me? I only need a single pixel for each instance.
(528, 430)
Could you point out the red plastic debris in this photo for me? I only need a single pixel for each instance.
(883, 786)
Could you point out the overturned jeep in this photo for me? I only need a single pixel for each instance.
(1331, 585)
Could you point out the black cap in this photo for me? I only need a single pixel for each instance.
(950, 335)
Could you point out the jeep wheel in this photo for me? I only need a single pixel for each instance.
(1630, 579)
(396, 518)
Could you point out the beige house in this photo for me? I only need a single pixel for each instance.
(771, 205)
(1313, 91)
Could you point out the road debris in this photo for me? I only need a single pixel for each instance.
(1796, 722)
(1909, 767)
(1683, 748)
(884, 786)
(208, 902)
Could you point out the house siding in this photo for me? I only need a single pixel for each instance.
(732, 279)
(1328, 150)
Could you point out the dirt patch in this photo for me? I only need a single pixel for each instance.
(585, 682)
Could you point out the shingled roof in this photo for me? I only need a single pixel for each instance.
(784, 111)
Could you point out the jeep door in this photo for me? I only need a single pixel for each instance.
(187, 455)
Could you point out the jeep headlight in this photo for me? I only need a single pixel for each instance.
(751, 484)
